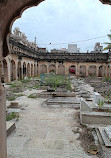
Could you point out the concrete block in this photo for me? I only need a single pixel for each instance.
(84, 106)
(10, 127)
(96, 98)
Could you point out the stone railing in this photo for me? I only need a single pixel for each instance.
(23, 50)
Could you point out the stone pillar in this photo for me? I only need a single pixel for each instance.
(47, 68)
(22, 76)
(66, 70)
(110, 70)
(87, 67)
(77, 70)
(3, 152)
(57, 64)
(97, 71)
(16, 71)
(106, 71)
(9, 71)
(38, 69)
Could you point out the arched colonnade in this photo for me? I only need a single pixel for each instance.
(13, 69)
(77, 69)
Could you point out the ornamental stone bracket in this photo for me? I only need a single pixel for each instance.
(8, 16)
(106, 1)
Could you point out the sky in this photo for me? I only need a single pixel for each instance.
(55, 23)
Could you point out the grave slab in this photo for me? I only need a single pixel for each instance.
(104, 137)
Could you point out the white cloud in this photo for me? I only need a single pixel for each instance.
(59, 21)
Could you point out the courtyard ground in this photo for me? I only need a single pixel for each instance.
(45, 132)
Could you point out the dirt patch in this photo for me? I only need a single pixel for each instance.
(100, 84)
(88, 142)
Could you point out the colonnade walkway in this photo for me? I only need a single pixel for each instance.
(44, 132)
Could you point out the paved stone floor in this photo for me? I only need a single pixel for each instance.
(44, 132)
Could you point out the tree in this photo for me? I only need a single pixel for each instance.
(108, 43)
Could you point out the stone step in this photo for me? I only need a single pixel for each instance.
(99, 136)
(64, 106)
(63, 101)
(10, 126)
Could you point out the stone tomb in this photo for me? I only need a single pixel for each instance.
(68, 102)
(91, 113)
(13, 105)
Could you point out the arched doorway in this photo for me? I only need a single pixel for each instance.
(13, 70)
(52, 68)
(19, 70)
(101, 71)
(24, 69)
(28, 70)
(82, 71)
(72, 69)
(92, 70)
(61, 69)
(109, 71)
(43, 69)
(32, 70)
(5, 71)
(35, 68)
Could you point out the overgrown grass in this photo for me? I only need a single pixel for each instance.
(55, 81)
(11, 98)
(11, 116)
(19, 95)
(107, 79)
(36, 86)
(34, 95)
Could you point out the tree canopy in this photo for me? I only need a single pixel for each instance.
(108, 47)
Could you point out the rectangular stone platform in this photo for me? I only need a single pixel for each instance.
(63, 102)
(55, 94)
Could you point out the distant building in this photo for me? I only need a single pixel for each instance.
(72, 48)
(98, 48)
(62, 50)
(43, 50)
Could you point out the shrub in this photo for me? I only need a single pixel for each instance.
(11, 116)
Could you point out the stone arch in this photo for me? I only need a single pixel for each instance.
(32, 70)
(101, 71)
(24, 70)
(92, 70)
(52, 68)
(13, 70)
(19, 70)
(61, 69)
(72, 69)
(28, 70)
(82, 71)
(43, 69)
(5, 71)
(10, 17)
